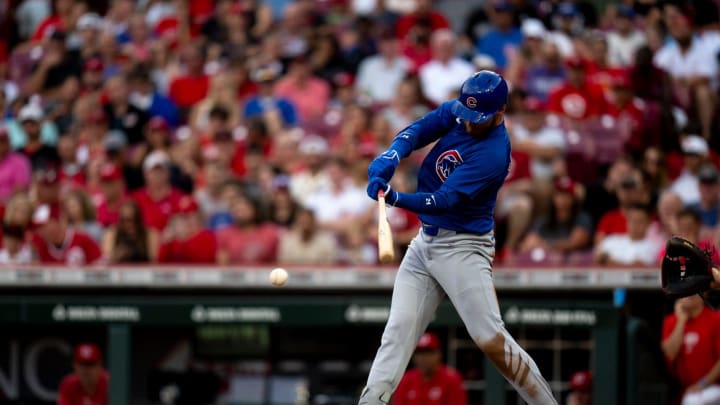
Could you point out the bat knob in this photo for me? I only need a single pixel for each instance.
(381, 193)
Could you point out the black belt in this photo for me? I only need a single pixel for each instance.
(434, 230)
(431, 230)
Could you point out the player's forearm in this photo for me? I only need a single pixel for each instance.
(427, 203)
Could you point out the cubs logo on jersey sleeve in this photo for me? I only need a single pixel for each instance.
(446, 163)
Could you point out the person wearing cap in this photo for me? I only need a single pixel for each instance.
(624, 39)
(379, 75)
(278, 111)
(116, 152)
(692, 350)
(632, 112)
(533, 32)
(93, 127)
(14, 168)
(567, 19)
(55, 243)
(445, 72)
(144, 96)
(86, 38)
(186, 240)
(696, 152)
(93, 75)
(158, 199)
(157, 138)
(313, 151)
(46, 187)
(122, 114)
(502, 35)
(30, 120)
(544, 144)
(112, 186)
(89, 383)
(708, 208)
(693, 66)
(566, 228)
(430, 382)
(580, 389)
(528, 54)
(578, 99)
(455, 199)
(630, 190)
(634, 247)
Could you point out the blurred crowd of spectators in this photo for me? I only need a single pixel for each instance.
(239, 131)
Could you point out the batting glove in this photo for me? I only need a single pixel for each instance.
(384, 165)
(376, 184)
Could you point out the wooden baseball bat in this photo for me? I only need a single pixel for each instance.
(386, 248)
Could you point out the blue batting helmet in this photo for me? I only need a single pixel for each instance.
(481, 97)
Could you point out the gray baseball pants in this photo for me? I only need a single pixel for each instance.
(459, 265)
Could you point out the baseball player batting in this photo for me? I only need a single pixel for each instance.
(452, 254)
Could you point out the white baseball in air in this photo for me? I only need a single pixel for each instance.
(278, 277)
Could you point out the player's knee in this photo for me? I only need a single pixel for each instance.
(486, 331)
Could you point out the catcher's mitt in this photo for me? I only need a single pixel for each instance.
(686, 269)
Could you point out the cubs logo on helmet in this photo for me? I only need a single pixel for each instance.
(471, 102)
(446, 163)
